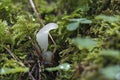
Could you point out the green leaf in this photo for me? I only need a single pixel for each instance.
(108, 18)
(86, 21)
(13, 70)
(84, 43)
(109, 52)
(64, 67)
(111, 72)
(72, 26)
(82, 20)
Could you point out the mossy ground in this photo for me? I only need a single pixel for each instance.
(88, 39)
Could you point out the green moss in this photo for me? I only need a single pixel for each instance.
(90, 47)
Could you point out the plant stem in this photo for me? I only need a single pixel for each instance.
(31, 76)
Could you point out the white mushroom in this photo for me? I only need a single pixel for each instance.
(42, 35)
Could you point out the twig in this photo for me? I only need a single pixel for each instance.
(13, 55)
(31, 76)
(33, 68)
(30, 72)
(37, 14)
(53, 43)
(36, 48)
(8, 50)
(41, 22)
(39, 70)
(16, 58)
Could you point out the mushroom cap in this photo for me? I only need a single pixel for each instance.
(42, 35)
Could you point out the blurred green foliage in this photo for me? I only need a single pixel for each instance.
(88, 39)
(86, 43)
